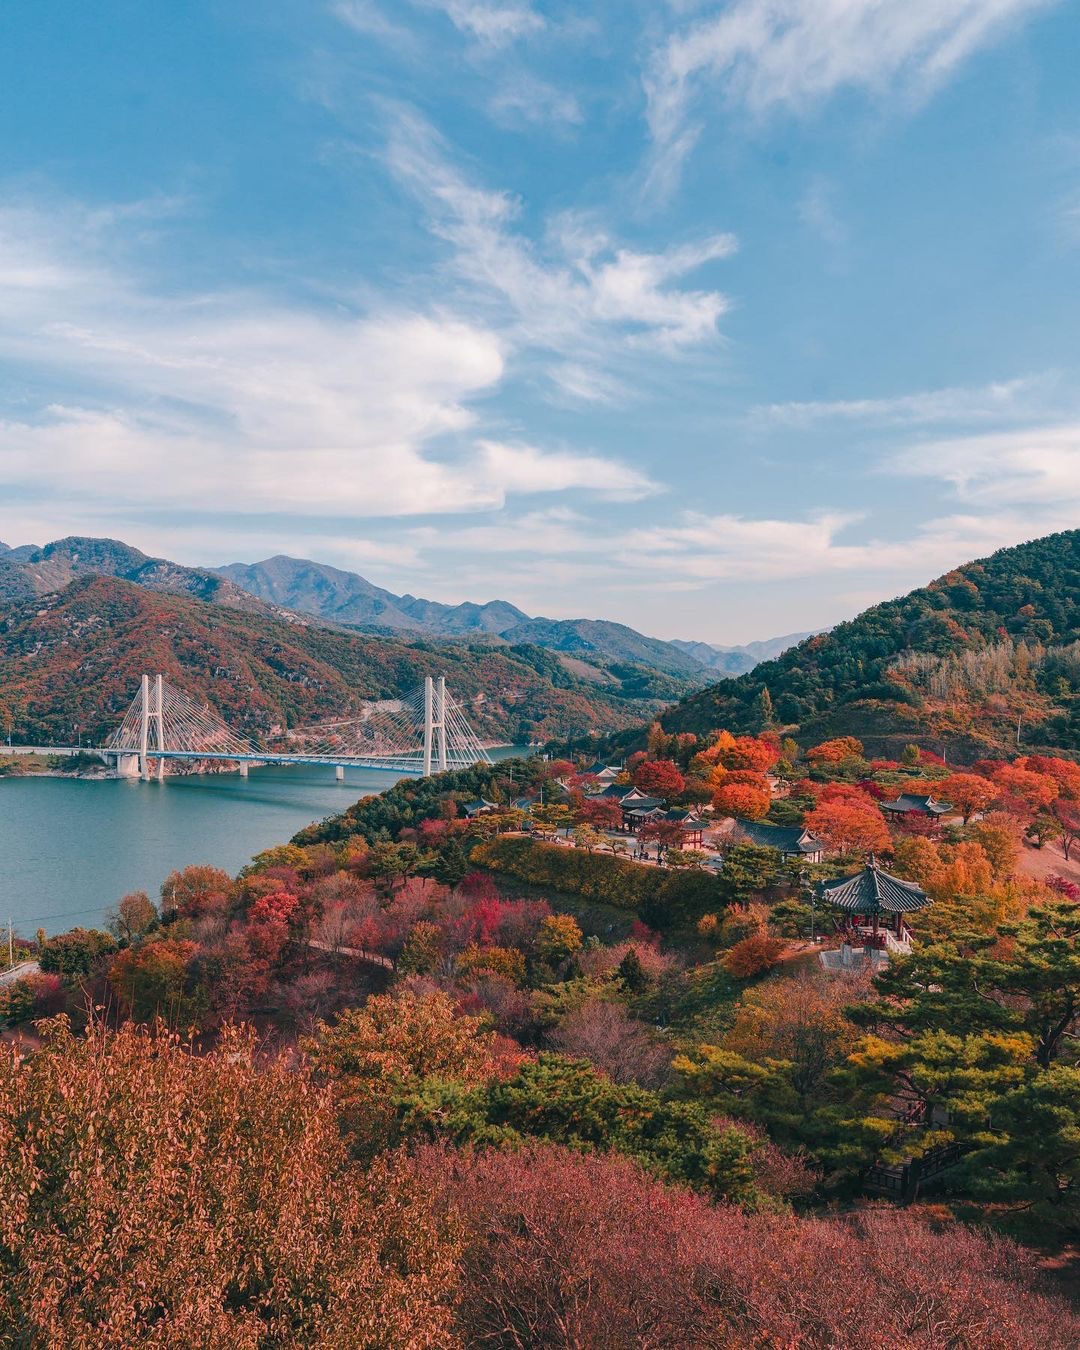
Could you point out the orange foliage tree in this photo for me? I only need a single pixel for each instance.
(153, 979)
(758, 753)
(835, 751)
(375, 1054)
(1035, 790)
(968, 792)
(849, 827)
(741, 800)
(195, 891)
(753, 955)
(175, 1200)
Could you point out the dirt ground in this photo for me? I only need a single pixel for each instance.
(1049, 861)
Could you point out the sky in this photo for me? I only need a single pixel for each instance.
(720, 320)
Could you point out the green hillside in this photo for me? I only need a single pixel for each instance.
(958, 661)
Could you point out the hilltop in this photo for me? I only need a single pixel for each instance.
(347, 598)
(956, 662)
(72, 657)
(293, 587)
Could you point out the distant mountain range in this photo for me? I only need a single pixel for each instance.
(71, 658)
(738, 660)
(285, 587)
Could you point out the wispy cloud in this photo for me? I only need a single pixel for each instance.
(248, 405)
(524, 98)
(1005, 400)
(763, 54)
(582, 291)
(487, 22)
(1032, 467)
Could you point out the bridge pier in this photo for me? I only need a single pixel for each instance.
(243, 768)
(339, 772)
(125, 766)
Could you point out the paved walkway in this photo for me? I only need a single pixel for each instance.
(19, 972)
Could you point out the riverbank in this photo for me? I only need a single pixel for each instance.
(73, 846)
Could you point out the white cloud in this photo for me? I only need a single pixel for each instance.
(1036, 467)
(489, 22)
(247, 406)
(768, 53)
(526, 98)
(585, 291)
(1003, 400)
(486, 22)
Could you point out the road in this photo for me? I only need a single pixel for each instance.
(17, 972)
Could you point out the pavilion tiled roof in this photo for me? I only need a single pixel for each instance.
(638, 804)
(874, 891)
(907, 802)
(789, 839)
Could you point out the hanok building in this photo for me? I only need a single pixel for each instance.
(689, 821)
(872, 905)
(479, 807)
(790, 841)
(604, 774)
(908, 804)
(639, 809)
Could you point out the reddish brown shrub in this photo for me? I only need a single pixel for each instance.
(625, 1049)
(753, 955)
(152, 1197)
(582, 1251)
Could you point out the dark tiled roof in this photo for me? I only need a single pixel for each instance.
(479, 804)
(789, 839)
(682, 816)
(874, 891)
(643, 804)
(906, 803)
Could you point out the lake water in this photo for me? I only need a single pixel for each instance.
(70, 848)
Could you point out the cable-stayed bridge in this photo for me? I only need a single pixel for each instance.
(426, 732)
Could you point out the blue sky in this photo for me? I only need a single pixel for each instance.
(722, 320)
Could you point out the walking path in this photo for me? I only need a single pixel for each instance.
(19, 972)
(372, 957)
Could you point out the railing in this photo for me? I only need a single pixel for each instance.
(905, 1181)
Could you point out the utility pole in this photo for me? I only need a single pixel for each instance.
(10, 943)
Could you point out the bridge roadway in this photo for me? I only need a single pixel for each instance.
(397, 764)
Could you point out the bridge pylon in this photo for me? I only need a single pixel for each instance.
(425, 732)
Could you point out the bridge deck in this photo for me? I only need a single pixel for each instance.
(403, 764)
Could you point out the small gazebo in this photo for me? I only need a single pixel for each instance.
(876, 902)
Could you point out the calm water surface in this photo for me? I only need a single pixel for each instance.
(69, 848)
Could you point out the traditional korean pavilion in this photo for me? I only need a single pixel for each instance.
(479, 807)
(790, 841)
(908, 804)
(876, 902)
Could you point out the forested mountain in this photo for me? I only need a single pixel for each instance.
(346, 598)
(29, 571)
(281, 584)
(956, 662)
(73, 657)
